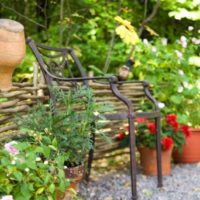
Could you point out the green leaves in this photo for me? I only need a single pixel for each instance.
(18, 176)
(176, 99)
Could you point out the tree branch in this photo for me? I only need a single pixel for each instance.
(31, 20)
(112, 42)
(146, 20)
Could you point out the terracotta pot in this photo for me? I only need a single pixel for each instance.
(191, 150)
(149, 163)
(75, 174)
(12, 50)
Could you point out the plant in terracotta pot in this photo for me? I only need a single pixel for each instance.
(172, 136)
(190, 152)
(70, 126)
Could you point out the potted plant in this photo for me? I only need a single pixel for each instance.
(70, 126)
(190, 152)
(172, 136)
(25, 175)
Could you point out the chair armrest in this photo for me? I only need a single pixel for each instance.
(146, 91)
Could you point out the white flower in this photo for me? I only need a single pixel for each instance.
(27, 169)
(161, 105)
(46, 162)
(180, 72)
(7, 197)
(38, 159)
(198, 31)
(154, 49)
(145, 41)
(180, 89)
(164, 41)
(195, 40)
(185, 84)
(13, 162)
(65, 167)
(96, 113)
(183, 41)
(179, 54)
(190, 28)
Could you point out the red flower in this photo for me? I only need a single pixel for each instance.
(152, 127)
(175, 125)
(141, 120)
(171, 118)
(120, 136)
(185, 130)
(167, 142)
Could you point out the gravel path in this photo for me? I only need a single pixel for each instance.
(183, 184)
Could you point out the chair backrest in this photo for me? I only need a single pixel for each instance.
(61, 62)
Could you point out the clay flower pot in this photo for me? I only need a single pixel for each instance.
(12, 50)
(75, 174)
(149, 164)
(191, 150)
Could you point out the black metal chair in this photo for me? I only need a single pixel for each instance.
(71, 72)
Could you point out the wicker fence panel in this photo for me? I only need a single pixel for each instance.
(24, 95)
(17, 100)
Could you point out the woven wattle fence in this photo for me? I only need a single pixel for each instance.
(22, 96)
(16, 101)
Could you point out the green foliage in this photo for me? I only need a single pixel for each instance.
(168, 67)
(71, 126)
(189, 9)
(26, 175)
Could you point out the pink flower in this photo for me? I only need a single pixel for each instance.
(7, 197)
(10, 148)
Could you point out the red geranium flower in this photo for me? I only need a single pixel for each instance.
(120, 136)
(141, 120)
(175, 125)
(171, 118)
(152, 127)
(185, 130)
(167, 142)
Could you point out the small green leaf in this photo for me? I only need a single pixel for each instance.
(18, 176)
(51, 188)
(39, 190)
(176, 99)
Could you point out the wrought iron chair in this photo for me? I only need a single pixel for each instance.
(125, 96)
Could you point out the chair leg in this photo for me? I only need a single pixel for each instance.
(90, 159)
(158, 151)
(132, 158)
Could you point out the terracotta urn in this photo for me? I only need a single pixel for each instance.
(12, 50)
(149, 163)
(191, 150)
